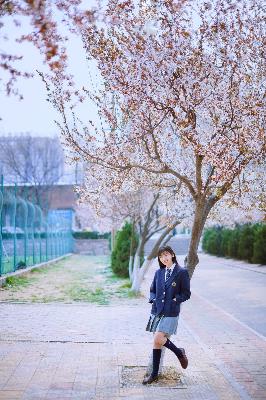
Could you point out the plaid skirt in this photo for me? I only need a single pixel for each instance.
(163, 324)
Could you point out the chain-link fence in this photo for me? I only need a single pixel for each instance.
(27, 235)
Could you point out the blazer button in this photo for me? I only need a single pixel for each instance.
(162, 301)
(163, 292)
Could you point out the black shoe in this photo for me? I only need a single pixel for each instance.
(149, 379)
(183, 360)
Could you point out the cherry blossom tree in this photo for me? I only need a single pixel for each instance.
(149, 223)
(182, 98)
(38, 22)
(149, 212)
(244, 202)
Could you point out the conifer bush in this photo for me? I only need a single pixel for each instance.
(244, 242)
(120, 254)
(233, 244)
(259, 245)
(226, 235)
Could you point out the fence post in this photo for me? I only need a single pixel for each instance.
(29, 232)
(41, 226)
(1, 222)
(46, 240)
(26, 231)
(15, 229)
(33, 235)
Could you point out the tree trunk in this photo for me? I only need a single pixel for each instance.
(201, 213)
(166, 240)
(136, 265)
(131, 255)
(140, 272)
(139, 276)
(130, 267)
(113, 232)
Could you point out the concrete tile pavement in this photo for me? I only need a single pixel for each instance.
(78, 351)
(235, 349)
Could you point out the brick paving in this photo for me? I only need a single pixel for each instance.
(78, 351)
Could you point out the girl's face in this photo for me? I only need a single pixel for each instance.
(166, 258)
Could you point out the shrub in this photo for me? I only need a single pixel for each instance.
(21, 264)
(91, 235)
(245, 244)
(226, 236)
(121, 252)
(212, 242)
(233, 244)
(259, 245)
(205, 240)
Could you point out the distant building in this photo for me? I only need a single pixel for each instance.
(44, 157)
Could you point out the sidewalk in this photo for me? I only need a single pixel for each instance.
(80, 351)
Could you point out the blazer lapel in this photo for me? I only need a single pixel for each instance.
(162, 279)
(172, 277)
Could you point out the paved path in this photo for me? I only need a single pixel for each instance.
(83, 351)
(179, 243)
(234, 286)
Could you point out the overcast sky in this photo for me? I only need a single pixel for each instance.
(34, 114)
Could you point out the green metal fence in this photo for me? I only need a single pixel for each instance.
(29, 236)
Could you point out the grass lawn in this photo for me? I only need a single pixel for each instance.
(78, 278)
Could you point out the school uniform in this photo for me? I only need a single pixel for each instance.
(166, 295)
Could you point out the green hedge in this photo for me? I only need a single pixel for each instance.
(259, 246)
(244, 242)
(91, 235)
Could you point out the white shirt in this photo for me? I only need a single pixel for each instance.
(167, 269)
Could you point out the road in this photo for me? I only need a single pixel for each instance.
(237, 291)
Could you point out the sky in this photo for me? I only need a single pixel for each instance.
(34, 113)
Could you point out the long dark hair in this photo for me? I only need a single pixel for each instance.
(169, 250)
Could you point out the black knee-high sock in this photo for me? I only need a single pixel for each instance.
(170, 345)
(156, 361)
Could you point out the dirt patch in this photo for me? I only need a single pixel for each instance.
(132, 376)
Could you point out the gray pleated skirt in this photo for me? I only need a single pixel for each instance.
(163, 324)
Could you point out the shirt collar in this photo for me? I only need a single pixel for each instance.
(170, 269)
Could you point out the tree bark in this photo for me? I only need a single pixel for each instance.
(131, 255)
(136, 264)
(202, 210)
(130, 267)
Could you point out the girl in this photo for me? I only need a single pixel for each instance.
(170, 287)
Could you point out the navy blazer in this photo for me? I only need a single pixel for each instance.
(166, 297)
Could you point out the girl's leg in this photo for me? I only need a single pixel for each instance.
(159, 340)
(179, 352)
